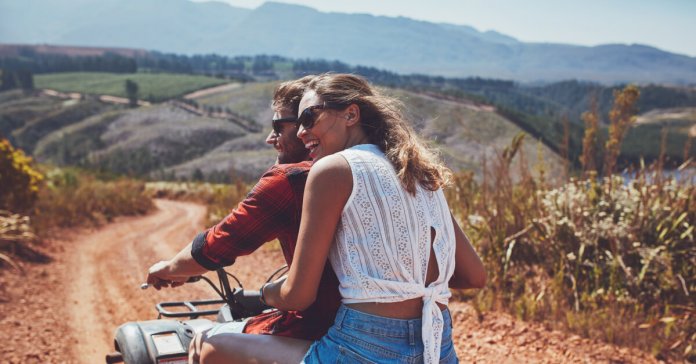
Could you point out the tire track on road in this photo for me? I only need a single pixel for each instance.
(111, 263)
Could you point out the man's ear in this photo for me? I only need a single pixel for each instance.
(352, 114)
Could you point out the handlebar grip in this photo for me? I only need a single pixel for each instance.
(189, 280)
(251, 301)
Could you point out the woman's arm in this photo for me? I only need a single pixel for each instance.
(469, 271)
(328, 187)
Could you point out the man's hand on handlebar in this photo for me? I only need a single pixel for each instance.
(159, 276)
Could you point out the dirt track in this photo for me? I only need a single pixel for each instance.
(66, 311)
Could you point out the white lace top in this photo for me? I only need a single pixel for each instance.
(382, 243)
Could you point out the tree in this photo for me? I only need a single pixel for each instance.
(25, 79)
(21, 78)
(132, 92)
(7, 80)
(197, 175)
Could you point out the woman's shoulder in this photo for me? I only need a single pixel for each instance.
(334, 163)
(330, 176)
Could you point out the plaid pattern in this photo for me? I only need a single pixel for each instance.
(272, 210)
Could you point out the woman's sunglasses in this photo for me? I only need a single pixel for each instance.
(277, 128)
(309, 115)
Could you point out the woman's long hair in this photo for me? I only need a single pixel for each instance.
(384, 123)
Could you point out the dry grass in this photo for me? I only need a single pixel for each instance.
(75, 198)
(219, 198)
(606, 257)
(16, 238)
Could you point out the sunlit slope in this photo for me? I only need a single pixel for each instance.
(168, 140)
(677, 126)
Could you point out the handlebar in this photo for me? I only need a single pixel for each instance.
(242, 303)
(190, 280)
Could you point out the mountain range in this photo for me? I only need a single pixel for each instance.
(399, 44)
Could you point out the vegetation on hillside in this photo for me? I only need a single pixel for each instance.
(539, 110)
(151, 86)
(33, 129)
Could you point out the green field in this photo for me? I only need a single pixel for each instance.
(151, 86)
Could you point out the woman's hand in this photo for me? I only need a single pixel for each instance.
(469, 271)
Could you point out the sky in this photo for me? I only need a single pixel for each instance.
(669, 25)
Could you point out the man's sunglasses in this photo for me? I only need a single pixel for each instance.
(309, 115)
(277, 128)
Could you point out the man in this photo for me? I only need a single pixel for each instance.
(272, 210)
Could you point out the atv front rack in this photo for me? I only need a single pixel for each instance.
(192, 307)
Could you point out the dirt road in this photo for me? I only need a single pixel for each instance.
(66, 311)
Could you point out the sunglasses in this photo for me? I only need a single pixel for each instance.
(309, 115)
(277, 128)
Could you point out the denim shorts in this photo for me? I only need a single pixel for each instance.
(358, 337)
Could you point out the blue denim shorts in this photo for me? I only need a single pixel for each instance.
(358, 337)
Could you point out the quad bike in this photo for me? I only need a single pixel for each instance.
(166, 341)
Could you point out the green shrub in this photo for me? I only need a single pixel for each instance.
(19, 179)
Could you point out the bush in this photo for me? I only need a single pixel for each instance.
(19, 179)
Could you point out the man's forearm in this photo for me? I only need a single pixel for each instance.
(183, 264)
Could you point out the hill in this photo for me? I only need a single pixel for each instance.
(168, 141)
(399, 44)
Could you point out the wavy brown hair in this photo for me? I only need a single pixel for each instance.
(384, 123)
(289, 93)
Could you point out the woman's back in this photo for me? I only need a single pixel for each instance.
(383, 242)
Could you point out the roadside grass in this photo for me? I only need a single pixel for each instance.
(219, 198)
(67, 198)
(603, 255)
(154, 87)
(73, 197)
(607, 258)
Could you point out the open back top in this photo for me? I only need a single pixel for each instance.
(383, 241)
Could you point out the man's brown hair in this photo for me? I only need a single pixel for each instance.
(288, 94)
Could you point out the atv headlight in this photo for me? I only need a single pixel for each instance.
(167, 344)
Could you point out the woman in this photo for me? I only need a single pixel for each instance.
(373, 205)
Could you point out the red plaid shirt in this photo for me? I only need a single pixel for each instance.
(272, 210)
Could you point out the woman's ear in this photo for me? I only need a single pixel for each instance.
(352, 114)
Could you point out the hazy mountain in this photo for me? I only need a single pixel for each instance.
(399, 44)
